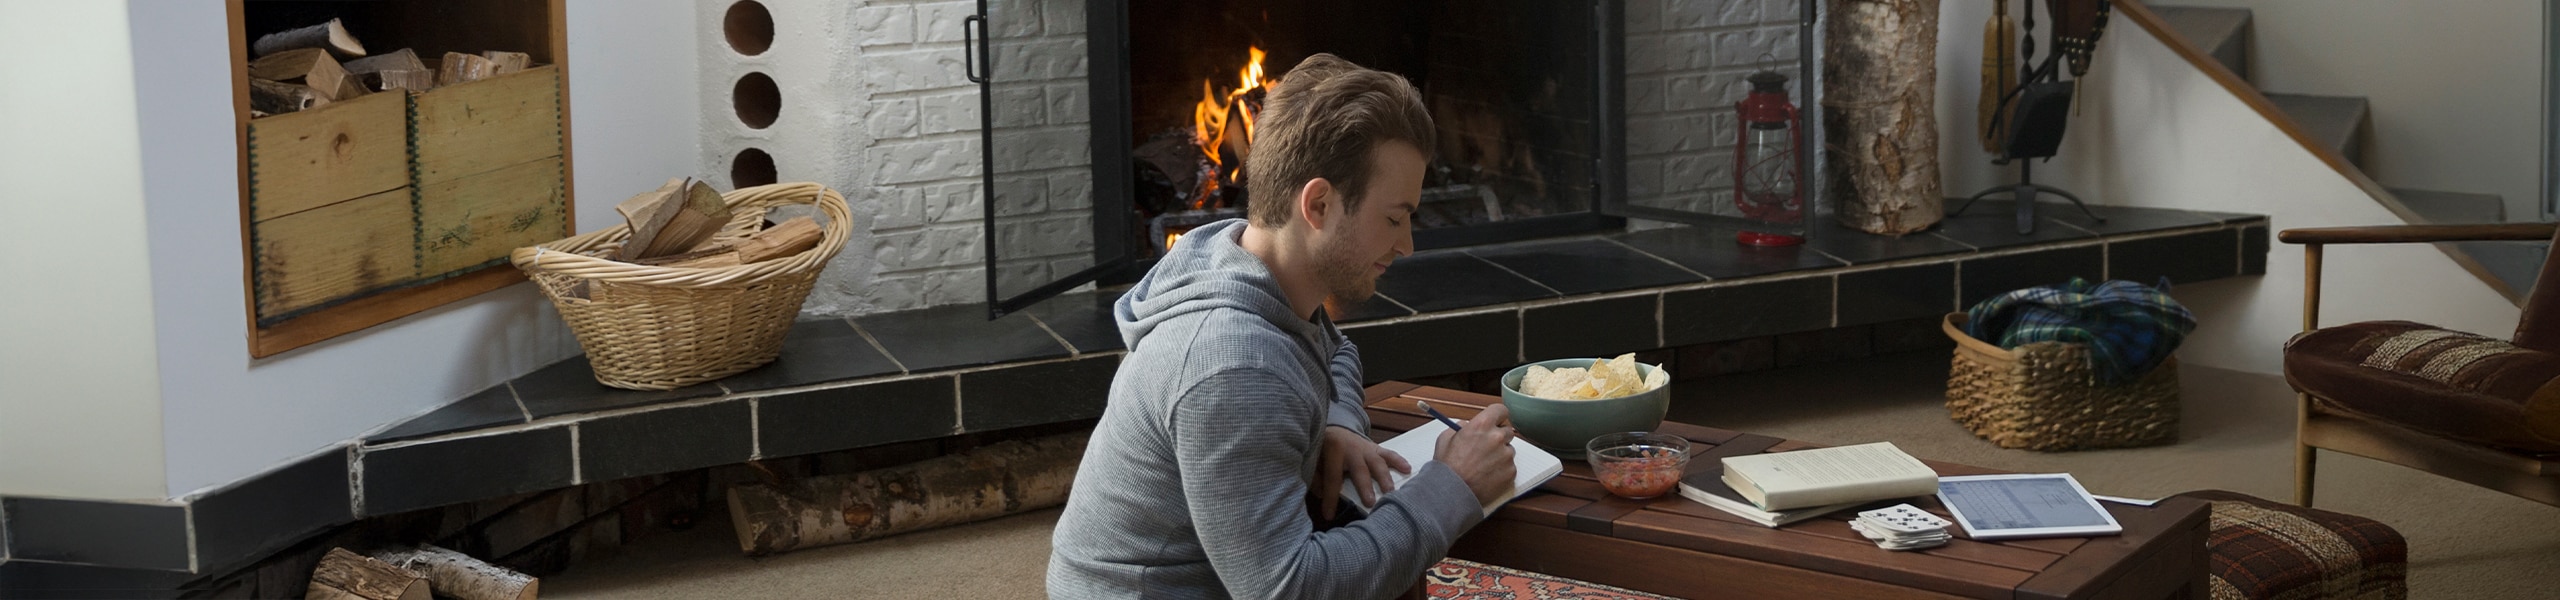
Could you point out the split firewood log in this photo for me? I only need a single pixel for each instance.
(456, 575)
(344, 575)
(402, 59)
(464, 68)
(331, 35)
(983, 483)
(395, 70)
(276, 97)
(508, 62)
(312, 67)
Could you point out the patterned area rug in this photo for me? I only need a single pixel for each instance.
(1455, 579)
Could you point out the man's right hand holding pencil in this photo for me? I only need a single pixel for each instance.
(1480, 451)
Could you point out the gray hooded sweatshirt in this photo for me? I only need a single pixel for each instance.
(1195, 484)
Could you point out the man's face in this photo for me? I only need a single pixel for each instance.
(1356, 246)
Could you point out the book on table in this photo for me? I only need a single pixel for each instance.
(1708, 487)
(1781, 481)
(1531, 466)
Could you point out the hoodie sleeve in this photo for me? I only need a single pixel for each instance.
(1241, 444)
(1347, 409)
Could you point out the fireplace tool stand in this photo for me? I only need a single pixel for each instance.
(2024, 194)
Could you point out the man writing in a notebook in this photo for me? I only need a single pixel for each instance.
(1239, 400)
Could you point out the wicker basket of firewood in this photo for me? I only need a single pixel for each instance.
(2042, 396)
(664, 326)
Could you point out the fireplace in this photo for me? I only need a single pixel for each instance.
(1110, 132)
(1513, 85)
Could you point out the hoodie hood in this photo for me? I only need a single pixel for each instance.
(1209, 269)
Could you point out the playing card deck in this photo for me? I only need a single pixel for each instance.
(1902, 527)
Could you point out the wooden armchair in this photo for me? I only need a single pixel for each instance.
(2476, 409)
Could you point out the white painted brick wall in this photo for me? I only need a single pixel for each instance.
(877, 105)
(1686, 60)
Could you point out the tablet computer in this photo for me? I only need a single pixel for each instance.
(1998, 507)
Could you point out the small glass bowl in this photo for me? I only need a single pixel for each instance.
(1637, 465)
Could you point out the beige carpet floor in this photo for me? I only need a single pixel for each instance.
(2466, 542)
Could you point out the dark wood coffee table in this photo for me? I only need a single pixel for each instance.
(1570, 527)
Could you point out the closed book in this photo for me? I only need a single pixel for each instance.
(1708, 487)
(1530, 466)
(1779, 481)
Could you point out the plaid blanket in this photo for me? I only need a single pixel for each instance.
(2129, 327)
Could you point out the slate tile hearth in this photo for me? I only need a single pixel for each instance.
(1450, 279)
(958, 335)
(2182, 259)
(1585, 265)
(1880, 295)
(949, 370)
(1861, 248)
(1993, 224)
(853, 417)
(570, 387)
(665, 441)
(428, 475)
(1083, 320)
(814, 351)
(270, 511)
(489, 408)
(1715, 254)
(1992, 276)
(148, 536)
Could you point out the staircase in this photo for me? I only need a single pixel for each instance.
(2344, 124)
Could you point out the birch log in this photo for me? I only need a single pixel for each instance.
(1880, 72)
(331, 35)
(343, 575)
(983, 483)
(456, 575)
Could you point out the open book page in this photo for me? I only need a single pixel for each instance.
(1531, 465)
(1824, 476)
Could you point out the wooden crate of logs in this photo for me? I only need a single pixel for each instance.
(370, 172)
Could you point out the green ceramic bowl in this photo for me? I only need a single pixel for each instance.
(1563, 426)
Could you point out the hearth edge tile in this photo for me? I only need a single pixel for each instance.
(179, 525)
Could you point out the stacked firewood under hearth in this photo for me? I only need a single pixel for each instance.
(301, 69)
(416, 573)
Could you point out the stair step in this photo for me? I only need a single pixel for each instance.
(2333, 121)
(2222, 32)
(2445, 208)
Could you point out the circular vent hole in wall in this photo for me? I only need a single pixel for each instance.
(749, 27)
(751, 168)
(757, 99)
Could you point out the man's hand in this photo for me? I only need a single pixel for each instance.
(1367, 464)
(1481, 453)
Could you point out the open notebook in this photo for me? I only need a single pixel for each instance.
(1531, 465)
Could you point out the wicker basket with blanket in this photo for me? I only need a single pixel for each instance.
(648, 327)
(2040, 397)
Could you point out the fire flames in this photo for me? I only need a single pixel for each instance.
(1215, 119)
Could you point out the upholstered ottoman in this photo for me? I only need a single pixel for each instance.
(2270, 550)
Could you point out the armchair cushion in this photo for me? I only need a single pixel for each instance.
(2438, 381)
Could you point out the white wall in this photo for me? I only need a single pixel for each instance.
(2456, 87)
(2154, 131)
(80, 414)
(226, 416)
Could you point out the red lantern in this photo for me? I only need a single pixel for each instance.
(1768, 175)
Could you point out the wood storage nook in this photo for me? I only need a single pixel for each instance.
(1879, 91)
(393, 193)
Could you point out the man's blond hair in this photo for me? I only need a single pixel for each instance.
(1324, 120)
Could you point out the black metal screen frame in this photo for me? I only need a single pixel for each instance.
(1106, 26)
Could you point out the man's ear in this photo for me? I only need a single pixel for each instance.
(1314, 198)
